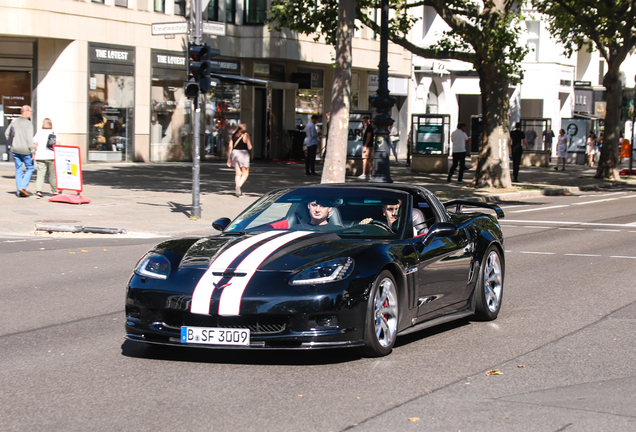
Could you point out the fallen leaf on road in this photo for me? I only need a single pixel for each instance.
(493, 372)
(414, 419)
(72, 253)
(520, 366)
(83, 250)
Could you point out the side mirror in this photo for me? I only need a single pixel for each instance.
(441, 229)
(221, 224)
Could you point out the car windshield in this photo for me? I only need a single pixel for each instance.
(349, 212)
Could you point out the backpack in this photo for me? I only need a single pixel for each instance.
(50, 142)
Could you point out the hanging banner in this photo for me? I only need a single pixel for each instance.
(68, 168)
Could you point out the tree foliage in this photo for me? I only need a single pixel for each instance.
(482, 33)
(607, 26)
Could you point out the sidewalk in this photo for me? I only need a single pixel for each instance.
(155, 200)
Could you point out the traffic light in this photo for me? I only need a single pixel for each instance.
(199, 68)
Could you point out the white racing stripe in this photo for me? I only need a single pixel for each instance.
(230, 302)
(205, 287)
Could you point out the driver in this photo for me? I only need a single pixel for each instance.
(390, 212)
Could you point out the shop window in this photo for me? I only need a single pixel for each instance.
(355, 91)
(170, 137)
(122, 3)
(255, 11)
(222, 113)
(15, 88)
(160, 5)
(111, 113)
(180, 7)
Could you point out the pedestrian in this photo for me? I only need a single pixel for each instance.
(44, 157)
(394, 139)
(517, 138)
(549, 136)
(323, 153)
(531, 136)
(22, 149)
(459, 140)
(367, 148)
(409, 143)
(312, 146)
(591, 148)
(239, 156)
(562, 149)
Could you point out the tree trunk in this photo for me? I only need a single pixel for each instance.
(493, 164)
(608, 162)
(334, 169)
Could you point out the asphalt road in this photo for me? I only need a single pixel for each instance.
(563, 343)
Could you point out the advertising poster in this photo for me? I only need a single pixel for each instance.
(576, 131)
(354, 139)
(68, 168)
(429, 138)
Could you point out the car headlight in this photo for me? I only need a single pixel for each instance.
(330, 271)
(153, 265)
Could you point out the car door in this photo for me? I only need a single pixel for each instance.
(443, 272)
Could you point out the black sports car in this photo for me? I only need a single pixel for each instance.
(322, 266)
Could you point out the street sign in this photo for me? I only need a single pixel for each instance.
(170, 28)
(213, 28)
(208, 27)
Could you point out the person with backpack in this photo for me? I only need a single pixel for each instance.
(43, 141)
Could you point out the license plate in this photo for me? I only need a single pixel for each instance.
(215, 336)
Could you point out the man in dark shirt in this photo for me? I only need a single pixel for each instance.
(515, 146)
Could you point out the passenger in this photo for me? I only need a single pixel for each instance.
(319, 213)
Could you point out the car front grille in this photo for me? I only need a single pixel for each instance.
(256, 324)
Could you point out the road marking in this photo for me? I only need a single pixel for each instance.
(601, 195)
(586, 224)
(573, 229)
(619, 256)
(540, 208)
(538, 253)
(605, 230)
(595, 202)
(582, 255)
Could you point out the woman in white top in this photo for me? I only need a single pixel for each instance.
(562, 149)
(592, 148)
(44, 158)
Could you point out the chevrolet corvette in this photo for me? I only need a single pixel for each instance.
(322, 266)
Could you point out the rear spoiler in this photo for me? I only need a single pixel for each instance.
(468, 203)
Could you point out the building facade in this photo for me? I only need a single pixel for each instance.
(556, 91)
(115, 89)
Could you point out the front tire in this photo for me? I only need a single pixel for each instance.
(489, 290)
(382, 317)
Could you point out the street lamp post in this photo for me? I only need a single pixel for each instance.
(383, 104)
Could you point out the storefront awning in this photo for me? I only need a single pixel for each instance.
(238, 79)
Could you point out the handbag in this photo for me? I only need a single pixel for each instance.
(50, 142)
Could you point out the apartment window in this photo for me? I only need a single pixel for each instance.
(533, 40)
(255, 11)
(98, 1)
(601, 72)
(122, 3)
(160, 6)
(214, 12)
(180, 7)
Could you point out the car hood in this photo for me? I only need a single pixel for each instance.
(268, 251)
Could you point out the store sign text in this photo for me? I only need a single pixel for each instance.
(172, 60)
(111, 54)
